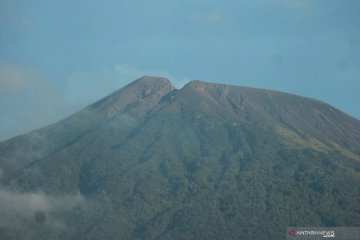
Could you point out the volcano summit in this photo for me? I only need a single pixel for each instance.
(207, 161)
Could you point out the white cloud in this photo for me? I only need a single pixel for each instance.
(26, 215)
(26, 204)
(16, 207)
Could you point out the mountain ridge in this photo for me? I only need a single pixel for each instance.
(207, 161)
(149, 95)
(197, 84)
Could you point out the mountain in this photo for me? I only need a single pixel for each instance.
(207, 161)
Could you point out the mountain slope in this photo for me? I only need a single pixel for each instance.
(208, 161)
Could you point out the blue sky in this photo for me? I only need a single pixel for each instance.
(59, 56)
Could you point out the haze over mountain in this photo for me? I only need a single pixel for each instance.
(207, 161)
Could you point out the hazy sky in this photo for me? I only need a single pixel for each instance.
(59, 56)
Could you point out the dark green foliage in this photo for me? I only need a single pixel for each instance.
(188, 170)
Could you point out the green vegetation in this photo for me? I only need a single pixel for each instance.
(184, 173)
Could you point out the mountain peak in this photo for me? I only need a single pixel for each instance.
(151, 162)
(196, 83)
(152, 79)
(145, 92)
(148, 86)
